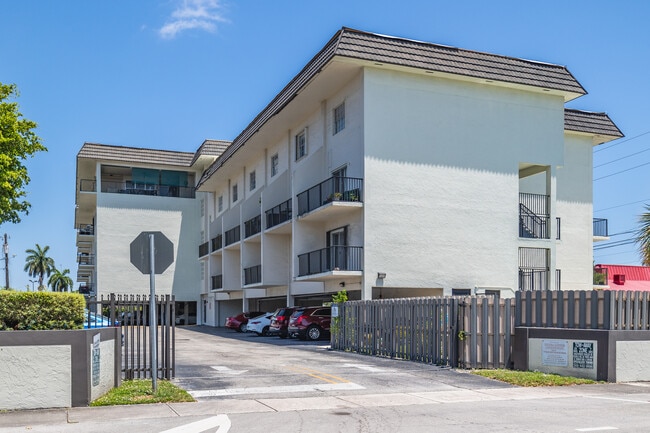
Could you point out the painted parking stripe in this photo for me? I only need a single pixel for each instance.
(221, 422)
(227, 370)
(597, 429)
(365, 367)
(325, 377)
(275, 389)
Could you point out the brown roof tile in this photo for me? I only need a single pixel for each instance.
(135, 154)
(591, 123)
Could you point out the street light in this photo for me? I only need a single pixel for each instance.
(33, 281)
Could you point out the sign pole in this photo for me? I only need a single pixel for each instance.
(152, 315)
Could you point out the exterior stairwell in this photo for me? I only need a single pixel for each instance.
(531, 225)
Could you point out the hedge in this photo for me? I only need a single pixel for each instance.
(41, 310)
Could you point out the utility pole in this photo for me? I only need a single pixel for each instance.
(5, 250)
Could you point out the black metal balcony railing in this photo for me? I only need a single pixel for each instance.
(278, 214)
(332, 189)
(203, 249)
(233, 235)
(559, 227)
(87, 185)
(253, 275)
(601, 278)
(336, 258)
(121, 187)
(253, 226)
(217, 282)
(533, 279)
(534, 216)
(86, 289)
(600, 227)
(216, 243)
(86, 229)
(86, 259)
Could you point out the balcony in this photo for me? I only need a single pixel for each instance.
(279, 214)
(334, 259)
(253, 275)
(86, 230)
(253, 226)
(216, 243)
(216, 282)
(204, 249)
(534, 216)
(233, 235)
(127, 187)
(86, 259)
(601, 232)
(335, 190)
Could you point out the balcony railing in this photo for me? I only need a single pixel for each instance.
(278, 214)
(86, 289)
(86, 229)
(216, 243)
(87, 185)
(233, 235)
(533, 279)
(217, 282)
(121, 187)
(86, 259)
(253, 275)
(336, 258)
(600, 227)
(253, 226)
(534, 216)
(204, 249)
(348, 189)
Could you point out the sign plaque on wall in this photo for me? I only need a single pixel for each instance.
(583, 354)
(555, 353)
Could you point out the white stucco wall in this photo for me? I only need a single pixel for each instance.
(32, 377)
(121, 218)
(441, 178)
(632, 361)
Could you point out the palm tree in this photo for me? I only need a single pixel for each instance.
(38, 264)
(60, 281)
(642, 236)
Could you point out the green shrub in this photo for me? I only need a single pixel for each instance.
(40, 310)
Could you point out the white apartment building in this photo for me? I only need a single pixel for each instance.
(387, 167)
(123, 191)
(396, 168)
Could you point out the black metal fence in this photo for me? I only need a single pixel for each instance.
(131, 312)
(253, 275)
(333, 189)
(233, 235)
(278, 214)
(334, 258)
(253, 226)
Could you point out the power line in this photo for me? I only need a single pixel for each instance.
(621, 158)
(621, 205)
(615, 244)
(622, 171)
(621, 142)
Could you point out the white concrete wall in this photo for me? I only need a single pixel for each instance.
(121, 218)
(441, 178)
(574, 207)
(632, 361)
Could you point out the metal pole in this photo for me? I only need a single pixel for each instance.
(153, 325)
(5, 249)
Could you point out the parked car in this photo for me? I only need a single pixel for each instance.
(311, 323)
(260, 324)
(239, 322)
(93, 320)
(280, 321)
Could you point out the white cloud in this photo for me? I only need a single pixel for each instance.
(193, 14)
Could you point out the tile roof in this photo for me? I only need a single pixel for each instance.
(135, 154)
(373, 47)
(211, 148)
(593, 123)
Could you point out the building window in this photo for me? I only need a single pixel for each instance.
(274, 164)
(301, 144)
(202, 208)
(220, 203)
(234, 193)
(339, 118)
(251, 180)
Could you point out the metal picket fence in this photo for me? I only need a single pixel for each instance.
(132, 314)
(477, 331)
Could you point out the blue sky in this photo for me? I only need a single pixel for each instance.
(168, 74)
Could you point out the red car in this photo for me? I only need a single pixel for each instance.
(239, 322)
(310, 323)
(280, 321)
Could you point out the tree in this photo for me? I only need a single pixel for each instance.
(642, 236)
(38, 264)
(60, 281)
(17, 142)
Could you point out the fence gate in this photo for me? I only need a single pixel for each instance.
(132, 313)
(422, 330)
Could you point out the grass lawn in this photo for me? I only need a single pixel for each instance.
(140, 392)
(531, 378)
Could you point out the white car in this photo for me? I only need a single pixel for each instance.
(260, 324)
